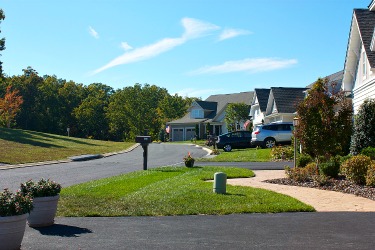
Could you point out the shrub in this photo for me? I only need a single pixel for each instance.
(301, 174)
(42, 188)
(370, 176)
(331, 168)
(282, 153)
(14, 204)
(355, 168)
(303, 160)
(369, 151)
(364, 128)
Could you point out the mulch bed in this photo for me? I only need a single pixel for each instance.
(339, 185)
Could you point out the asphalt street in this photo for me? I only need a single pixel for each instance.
(237, 231)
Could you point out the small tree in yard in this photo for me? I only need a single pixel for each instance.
(10, 105)
(236, 113)
(364, 128)
(325, 121)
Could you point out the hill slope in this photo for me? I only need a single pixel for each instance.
(22, 146)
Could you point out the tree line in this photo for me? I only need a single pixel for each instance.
(52, 105)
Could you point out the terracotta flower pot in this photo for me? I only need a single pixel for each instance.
(44, 211)
(12, 229)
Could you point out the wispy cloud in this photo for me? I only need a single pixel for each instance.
(193, 29)
(203, 93)
(250, 65)
(230, 33)
(126, 46)
(93, 32)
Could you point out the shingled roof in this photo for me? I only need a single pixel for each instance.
(366, 24)
(334, 79)
(262, 96)
(216, 103)
(286, 99)
(223, 99)
(207, 105)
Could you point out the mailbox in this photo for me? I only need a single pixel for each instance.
(143, 139)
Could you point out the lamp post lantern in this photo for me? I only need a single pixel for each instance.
(295, 124)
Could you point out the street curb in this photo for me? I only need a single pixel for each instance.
(76, 158)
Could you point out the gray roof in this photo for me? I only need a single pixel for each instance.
(216, 103)
(286, 99)
(366, 24)
(334, 80)
(207, 105)
(262, 95)
(224, 99)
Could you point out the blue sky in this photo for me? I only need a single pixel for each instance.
(191, 47)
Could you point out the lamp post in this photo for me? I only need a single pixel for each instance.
(295, 124)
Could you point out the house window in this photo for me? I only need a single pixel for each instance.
(364, 69)
(197, 113)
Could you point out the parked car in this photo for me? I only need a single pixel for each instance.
(269, 135)
(237, 139)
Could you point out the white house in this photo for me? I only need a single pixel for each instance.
(359, 69)
(259, 105)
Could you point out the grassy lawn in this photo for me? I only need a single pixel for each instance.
(22, 146)
(171, 191)
(242, 155)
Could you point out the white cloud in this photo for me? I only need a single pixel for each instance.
(203, 93)
(93, 32)
(126, 46)
(230, 33)
(193, 29)
(251, 65)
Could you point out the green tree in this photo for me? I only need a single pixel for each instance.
(364, 127)
(324, 121)
(90, 114)
(2, 43)
(171, 107)
(27, 85)
(134, 109)
(236, 113)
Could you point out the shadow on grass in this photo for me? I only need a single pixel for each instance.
(35, 138)
(63, 230)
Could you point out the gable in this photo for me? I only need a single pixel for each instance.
(284, 100)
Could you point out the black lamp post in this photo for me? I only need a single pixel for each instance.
(295, 124)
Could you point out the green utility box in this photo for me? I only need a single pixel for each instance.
(220, 183)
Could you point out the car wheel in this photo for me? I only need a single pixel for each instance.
(269, 142)
(227, 148)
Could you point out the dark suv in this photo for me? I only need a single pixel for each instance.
(271, 134)
(237, 139)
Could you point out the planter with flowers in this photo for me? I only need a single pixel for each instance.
(14, 210)
(189, 161)
(46, 194)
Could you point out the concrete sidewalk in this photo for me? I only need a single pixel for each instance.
(321, 200)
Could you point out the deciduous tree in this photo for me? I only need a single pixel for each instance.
(10, 106)
(236, 113)
(324, 121)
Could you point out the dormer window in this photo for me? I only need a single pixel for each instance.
(197, 113)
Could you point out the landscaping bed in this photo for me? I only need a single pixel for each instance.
(339, 185)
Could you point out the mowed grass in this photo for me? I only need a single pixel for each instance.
(22, 146)
(171, 191)
(241, 155)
